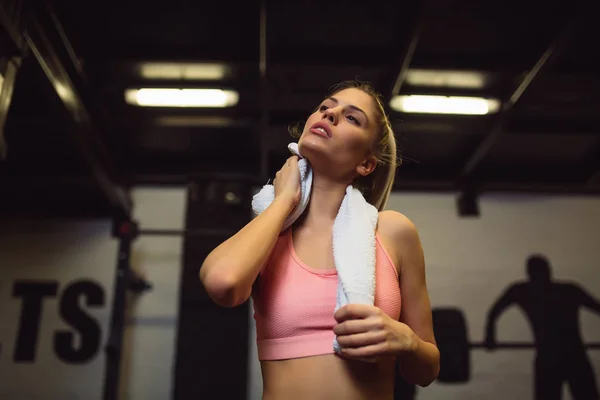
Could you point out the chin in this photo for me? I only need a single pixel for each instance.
(312, 146)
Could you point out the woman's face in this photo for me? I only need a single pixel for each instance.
(341, 131)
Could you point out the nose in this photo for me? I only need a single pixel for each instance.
(332, 115)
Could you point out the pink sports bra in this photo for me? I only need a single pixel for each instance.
(294, 303)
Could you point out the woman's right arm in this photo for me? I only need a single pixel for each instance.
(230, 270)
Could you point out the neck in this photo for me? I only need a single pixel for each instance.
(325, 200)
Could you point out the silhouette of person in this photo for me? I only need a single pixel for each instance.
(553, 312)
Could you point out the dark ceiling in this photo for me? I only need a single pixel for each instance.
(71, 137)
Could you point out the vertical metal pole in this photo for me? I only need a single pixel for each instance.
(7, 85)
(125, 232)
(264, 97)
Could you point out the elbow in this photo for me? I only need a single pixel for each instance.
(424, 373)
(223, 287)
(427, 379)
(426, 383)
(424, 379)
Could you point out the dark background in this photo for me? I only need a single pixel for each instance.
(86, 148)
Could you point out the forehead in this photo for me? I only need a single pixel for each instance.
(356, 98)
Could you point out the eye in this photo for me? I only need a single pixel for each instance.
(323, 107)
(354, 120)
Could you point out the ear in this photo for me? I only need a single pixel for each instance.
(367, 166)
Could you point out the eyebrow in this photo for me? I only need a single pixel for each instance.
(352, 107)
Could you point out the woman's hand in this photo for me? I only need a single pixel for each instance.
(287, 181)
(367, 333)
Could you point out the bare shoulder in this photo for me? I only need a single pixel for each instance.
(398, 235)
(397, 228)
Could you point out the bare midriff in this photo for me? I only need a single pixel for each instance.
(328, 377)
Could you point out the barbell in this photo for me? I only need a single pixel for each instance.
(450, 327)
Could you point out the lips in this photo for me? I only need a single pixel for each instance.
(321, 128)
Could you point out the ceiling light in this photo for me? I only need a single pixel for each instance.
(181, 97)
(197, 121)
(183, 71)
(444, 104)
(446, 78)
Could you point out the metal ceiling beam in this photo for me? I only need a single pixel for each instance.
(50, 47)
(409, 185)
(409, 51)
(264, 95)
(547, 59)
(9, 74)
(10, 62)
(11, 19)
(380, 56)
(540, 188)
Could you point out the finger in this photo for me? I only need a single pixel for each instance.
(354, 311)
(351, 327)
(361, 339)
(366, 351)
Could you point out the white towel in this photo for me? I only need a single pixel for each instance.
(261, 200)
(354, 251)
(353, 238)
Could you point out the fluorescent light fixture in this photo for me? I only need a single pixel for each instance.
(444, 105)
(183, 71)
(195, 121)
(446, 78)
(149, 97)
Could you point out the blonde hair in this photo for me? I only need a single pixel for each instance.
(377, 186)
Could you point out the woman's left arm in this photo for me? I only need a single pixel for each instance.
(366, 332)
(421, 364)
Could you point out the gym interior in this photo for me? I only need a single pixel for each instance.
(110, 200)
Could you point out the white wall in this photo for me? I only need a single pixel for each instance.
(50, 252)
(66, 252)
(150, 336)
(471, 261)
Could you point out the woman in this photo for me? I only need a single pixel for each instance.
(291, 274)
